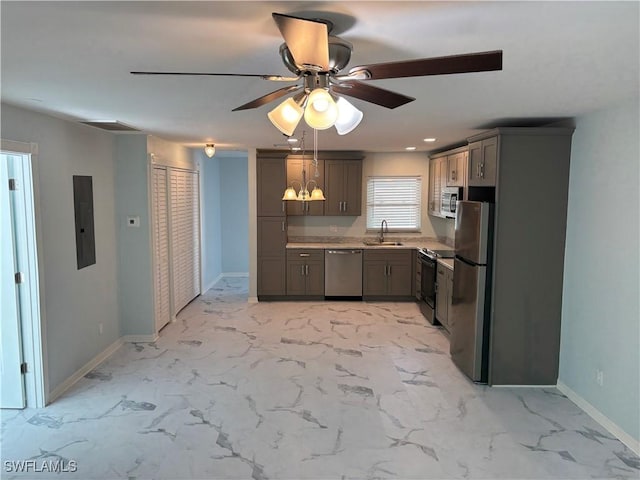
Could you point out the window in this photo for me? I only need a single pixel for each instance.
(396, 200)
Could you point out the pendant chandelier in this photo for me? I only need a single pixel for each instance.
(303, 194)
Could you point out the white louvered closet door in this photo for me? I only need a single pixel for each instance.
(160, 213)
(185, 236)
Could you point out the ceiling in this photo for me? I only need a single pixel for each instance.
(72, 60)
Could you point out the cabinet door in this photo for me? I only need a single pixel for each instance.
(489, 161)
(352, 188)
(272, 276)
(272, 236)
(374, 277)
(296, 277)
(475, 161)
(315, 277)
(449, 297)
(455, 169)
(334, 187)
(441, 294)
(272, 181)
(399, 278)
(437, 181)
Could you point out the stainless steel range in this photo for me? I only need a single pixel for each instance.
(428, 259)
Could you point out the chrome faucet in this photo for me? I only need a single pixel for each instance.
(382, 225)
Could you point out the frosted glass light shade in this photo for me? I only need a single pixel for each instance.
(286, 116)
(321, 111)
(290, 194)
(209, 150)
(317, 194)
(349, 117)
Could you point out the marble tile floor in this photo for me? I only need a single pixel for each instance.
(304, 390)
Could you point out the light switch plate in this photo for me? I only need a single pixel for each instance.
(133, 221)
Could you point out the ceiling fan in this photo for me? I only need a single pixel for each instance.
(317, 59)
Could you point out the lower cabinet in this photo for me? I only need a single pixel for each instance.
(444, 294)
(305, 273)
(272, 242)
(388, 274)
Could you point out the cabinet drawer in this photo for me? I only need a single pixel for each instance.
(307, 255)
(402, 255)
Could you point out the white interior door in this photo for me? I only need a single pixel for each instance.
(12, 389)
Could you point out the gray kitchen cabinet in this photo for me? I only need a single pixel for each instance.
(305, 273)
(294, 178)
(271, 224)
(435, 185)
(456, 168)
(272, 181)
(388, 274)
(272, 243)
(483, 162)
(444, 293)
(529, 232)
(343, 187)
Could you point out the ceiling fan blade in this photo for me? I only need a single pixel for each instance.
(275, 78)
(465, 63)
(269, 97)
(369, 93)
(308, 41)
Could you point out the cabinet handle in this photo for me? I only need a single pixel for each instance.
(345, 206)
(453, 175)
(306, 270)
(283, 229)
(389, 270)
(482, 170)
(305, 254)
(284, 207)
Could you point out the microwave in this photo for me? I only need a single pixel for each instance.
(450, 195)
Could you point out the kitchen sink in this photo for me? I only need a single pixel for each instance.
(382, 244)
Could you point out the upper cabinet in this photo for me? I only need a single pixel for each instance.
(295, 164)
(437, 180)
(446, 169)
(483, 161)
(456, 167)
(272, 181)
(343, 187)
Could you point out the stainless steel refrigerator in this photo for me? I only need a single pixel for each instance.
(471, 302)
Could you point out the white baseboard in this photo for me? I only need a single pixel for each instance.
(601, 418)
(236, 274)
(82, 371)
(140, 338)
(253, 300)
(523, 386)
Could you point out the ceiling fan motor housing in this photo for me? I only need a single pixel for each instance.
(339, 56)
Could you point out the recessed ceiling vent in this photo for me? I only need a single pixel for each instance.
(115, 127)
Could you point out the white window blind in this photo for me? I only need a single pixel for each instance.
(396, 200)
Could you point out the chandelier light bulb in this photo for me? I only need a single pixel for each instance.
(321, 111)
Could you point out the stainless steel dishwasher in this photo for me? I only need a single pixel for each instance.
(343, 273)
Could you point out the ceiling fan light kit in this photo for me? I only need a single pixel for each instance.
(321, 111)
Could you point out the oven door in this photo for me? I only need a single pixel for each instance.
(428, 287)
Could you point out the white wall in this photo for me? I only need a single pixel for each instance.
(377, 164)
(600, 314)
(76, 301)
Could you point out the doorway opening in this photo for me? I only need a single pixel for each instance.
(22, 366)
